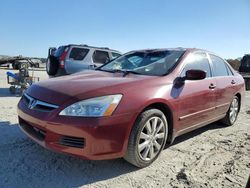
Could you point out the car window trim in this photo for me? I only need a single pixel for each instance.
(229, 68)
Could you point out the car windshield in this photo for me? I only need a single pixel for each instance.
(149, 62)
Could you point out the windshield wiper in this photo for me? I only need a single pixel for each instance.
(125, 72)
(104, 70)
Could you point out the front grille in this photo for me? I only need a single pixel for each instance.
(35, 104)
(33, 131)
(72, 141)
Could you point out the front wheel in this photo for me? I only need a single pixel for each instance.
(232, 112)
(147, 138)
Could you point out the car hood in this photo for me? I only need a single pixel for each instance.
(83, 85)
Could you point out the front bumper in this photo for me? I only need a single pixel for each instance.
(97, 138)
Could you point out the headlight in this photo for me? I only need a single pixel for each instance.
(94, 107)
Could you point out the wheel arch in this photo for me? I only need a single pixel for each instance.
(168, 112)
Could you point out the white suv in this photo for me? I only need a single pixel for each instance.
(73, 58)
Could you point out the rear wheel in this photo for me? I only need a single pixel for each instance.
(232, 112)
(147, 138)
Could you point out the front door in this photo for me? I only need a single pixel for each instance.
(196, 101)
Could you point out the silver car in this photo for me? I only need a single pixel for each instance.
(73, 58)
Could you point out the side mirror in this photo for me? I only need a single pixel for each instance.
(195, 74)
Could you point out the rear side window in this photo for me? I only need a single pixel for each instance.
(197, 61)
(115, 55)
(78, 53)
(219, 66)
(100, 57)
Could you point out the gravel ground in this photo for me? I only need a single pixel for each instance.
(213, 156)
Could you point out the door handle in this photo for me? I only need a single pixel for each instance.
(233, 82)
(212, 86)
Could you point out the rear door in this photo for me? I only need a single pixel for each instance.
(75, 60)
(197, 97)
(225, 84)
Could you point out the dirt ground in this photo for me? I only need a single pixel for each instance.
(213, 156)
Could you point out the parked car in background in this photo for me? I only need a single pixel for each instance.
(73, 58)
(18, 62)
(245, 70)
(245, 64)
(132, 106)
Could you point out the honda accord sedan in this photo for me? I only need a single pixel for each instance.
(132, 106)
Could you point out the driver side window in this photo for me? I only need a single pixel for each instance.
(197, 61)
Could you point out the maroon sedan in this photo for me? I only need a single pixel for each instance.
(132, 106)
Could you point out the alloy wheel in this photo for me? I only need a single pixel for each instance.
(234, 109)
(151, 138)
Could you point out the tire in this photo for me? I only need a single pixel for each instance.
(232, 112)
(15, 66)
(23, 65)
(142, 148)
(36, 65)
(51, 68)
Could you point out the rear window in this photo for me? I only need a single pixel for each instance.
(78, 53)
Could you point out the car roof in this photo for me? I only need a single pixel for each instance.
(176, 49)
(186, 50)
(87, 46)
(159, 49)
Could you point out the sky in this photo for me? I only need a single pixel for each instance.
(30, 27)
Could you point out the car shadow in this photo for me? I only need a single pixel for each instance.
(196, 132)
(23, 162)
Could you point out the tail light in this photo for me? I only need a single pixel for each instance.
(63, 56)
